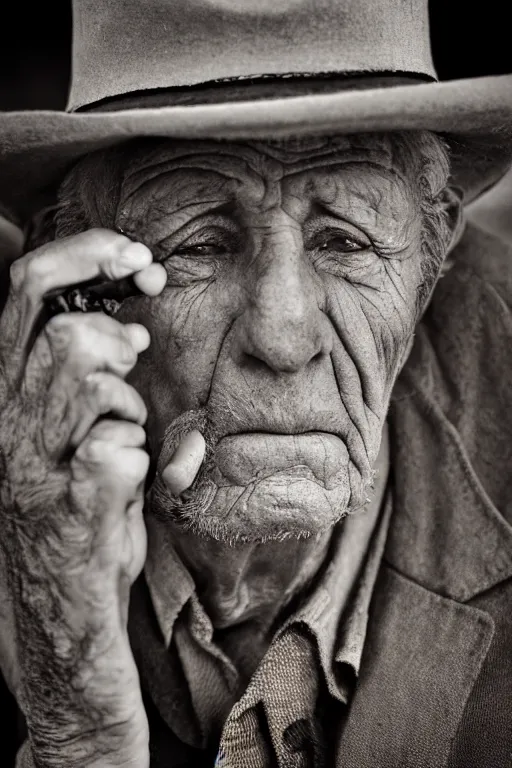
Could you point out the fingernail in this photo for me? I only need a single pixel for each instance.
(136, 255)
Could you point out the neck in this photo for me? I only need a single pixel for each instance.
(250, 582)
(244, 589)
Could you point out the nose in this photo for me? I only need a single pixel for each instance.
(282, 325)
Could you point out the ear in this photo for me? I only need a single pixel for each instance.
(453, 205)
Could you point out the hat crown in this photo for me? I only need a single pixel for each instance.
(124, 46)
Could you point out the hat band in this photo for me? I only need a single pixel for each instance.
(252, 88)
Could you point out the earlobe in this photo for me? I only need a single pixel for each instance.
(453, 204)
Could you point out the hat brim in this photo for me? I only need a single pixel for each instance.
(36, 148)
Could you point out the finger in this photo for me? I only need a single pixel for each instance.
(86, 256)
(116, 470)
(73, 345)
(112, 433)
(105, 484)
(136, 548)
(151, 280)
(112, 455)
(181, 471)
(81, 343)
(100, 394)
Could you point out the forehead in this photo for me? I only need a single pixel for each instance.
(260, 172)
(269, 160)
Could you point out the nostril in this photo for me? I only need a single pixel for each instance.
(254, 363)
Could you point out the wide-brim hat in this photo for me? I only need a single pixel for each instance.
(246, 69)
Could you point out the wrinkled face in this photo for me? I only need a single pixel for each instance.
(294, 271)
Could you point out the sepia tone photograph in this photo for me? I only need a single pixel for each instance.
(255, 384)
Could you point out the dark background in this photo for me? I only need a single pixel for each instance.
(469, 39)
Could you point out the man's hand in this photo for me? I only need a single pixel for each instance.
(72, 470)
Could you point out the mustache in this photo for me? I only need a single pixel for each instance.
(221, 416)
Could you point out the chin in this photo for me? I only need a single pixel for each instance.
(282, 505)
(278, 508)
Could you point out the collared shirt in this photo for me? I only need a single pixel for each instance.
(318, 649)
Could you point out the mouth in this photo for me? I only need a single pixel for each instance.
(259, 485)
(249, 457)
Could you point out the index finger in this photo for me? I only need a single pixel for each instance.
(76, 259)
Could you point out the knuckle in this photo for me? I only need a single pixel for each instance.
(56, 323)
(140, 406)
(17, 273)
(91, 451)
(119, 432)
(97, 389)
(101, 342)
(102, 431)
(72, 339)
(103, 323)
(83, 336)
(30, 273)
(99, 237)
(58, 332)
(127, 354)
(133, 464)
(38, 273)
(114, 462)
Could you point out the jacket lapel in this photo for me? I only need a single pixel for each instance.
(421, 659)
(448, 541)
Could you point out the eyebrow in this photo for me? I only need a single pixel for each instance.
(399, 228)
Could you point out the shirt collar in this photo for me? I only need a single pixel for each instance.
(169, 582)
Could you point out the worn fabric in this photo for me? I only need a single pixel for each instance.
(204, 40)
(437, 668)
(326, 633)
(435, 678)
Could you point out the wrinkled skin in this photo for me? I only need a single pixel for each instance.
(289, 305)
(71, 498)
(294, 276)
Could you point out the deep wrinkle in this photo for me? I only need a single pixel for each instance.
(285, 343)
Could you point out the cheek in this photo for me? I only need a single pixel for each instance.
(373, 327)
(187, 328)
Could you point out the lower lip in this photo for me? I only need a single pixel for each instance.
(248, 457)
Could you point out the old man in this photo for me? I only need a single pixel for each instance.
(255, 453)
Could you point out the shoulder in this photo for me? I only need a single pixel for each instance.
(462, 358)
(493, 210)
(488, 258)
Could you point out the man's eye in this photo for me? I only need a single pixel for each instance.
(201, 249)
(342, 244)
